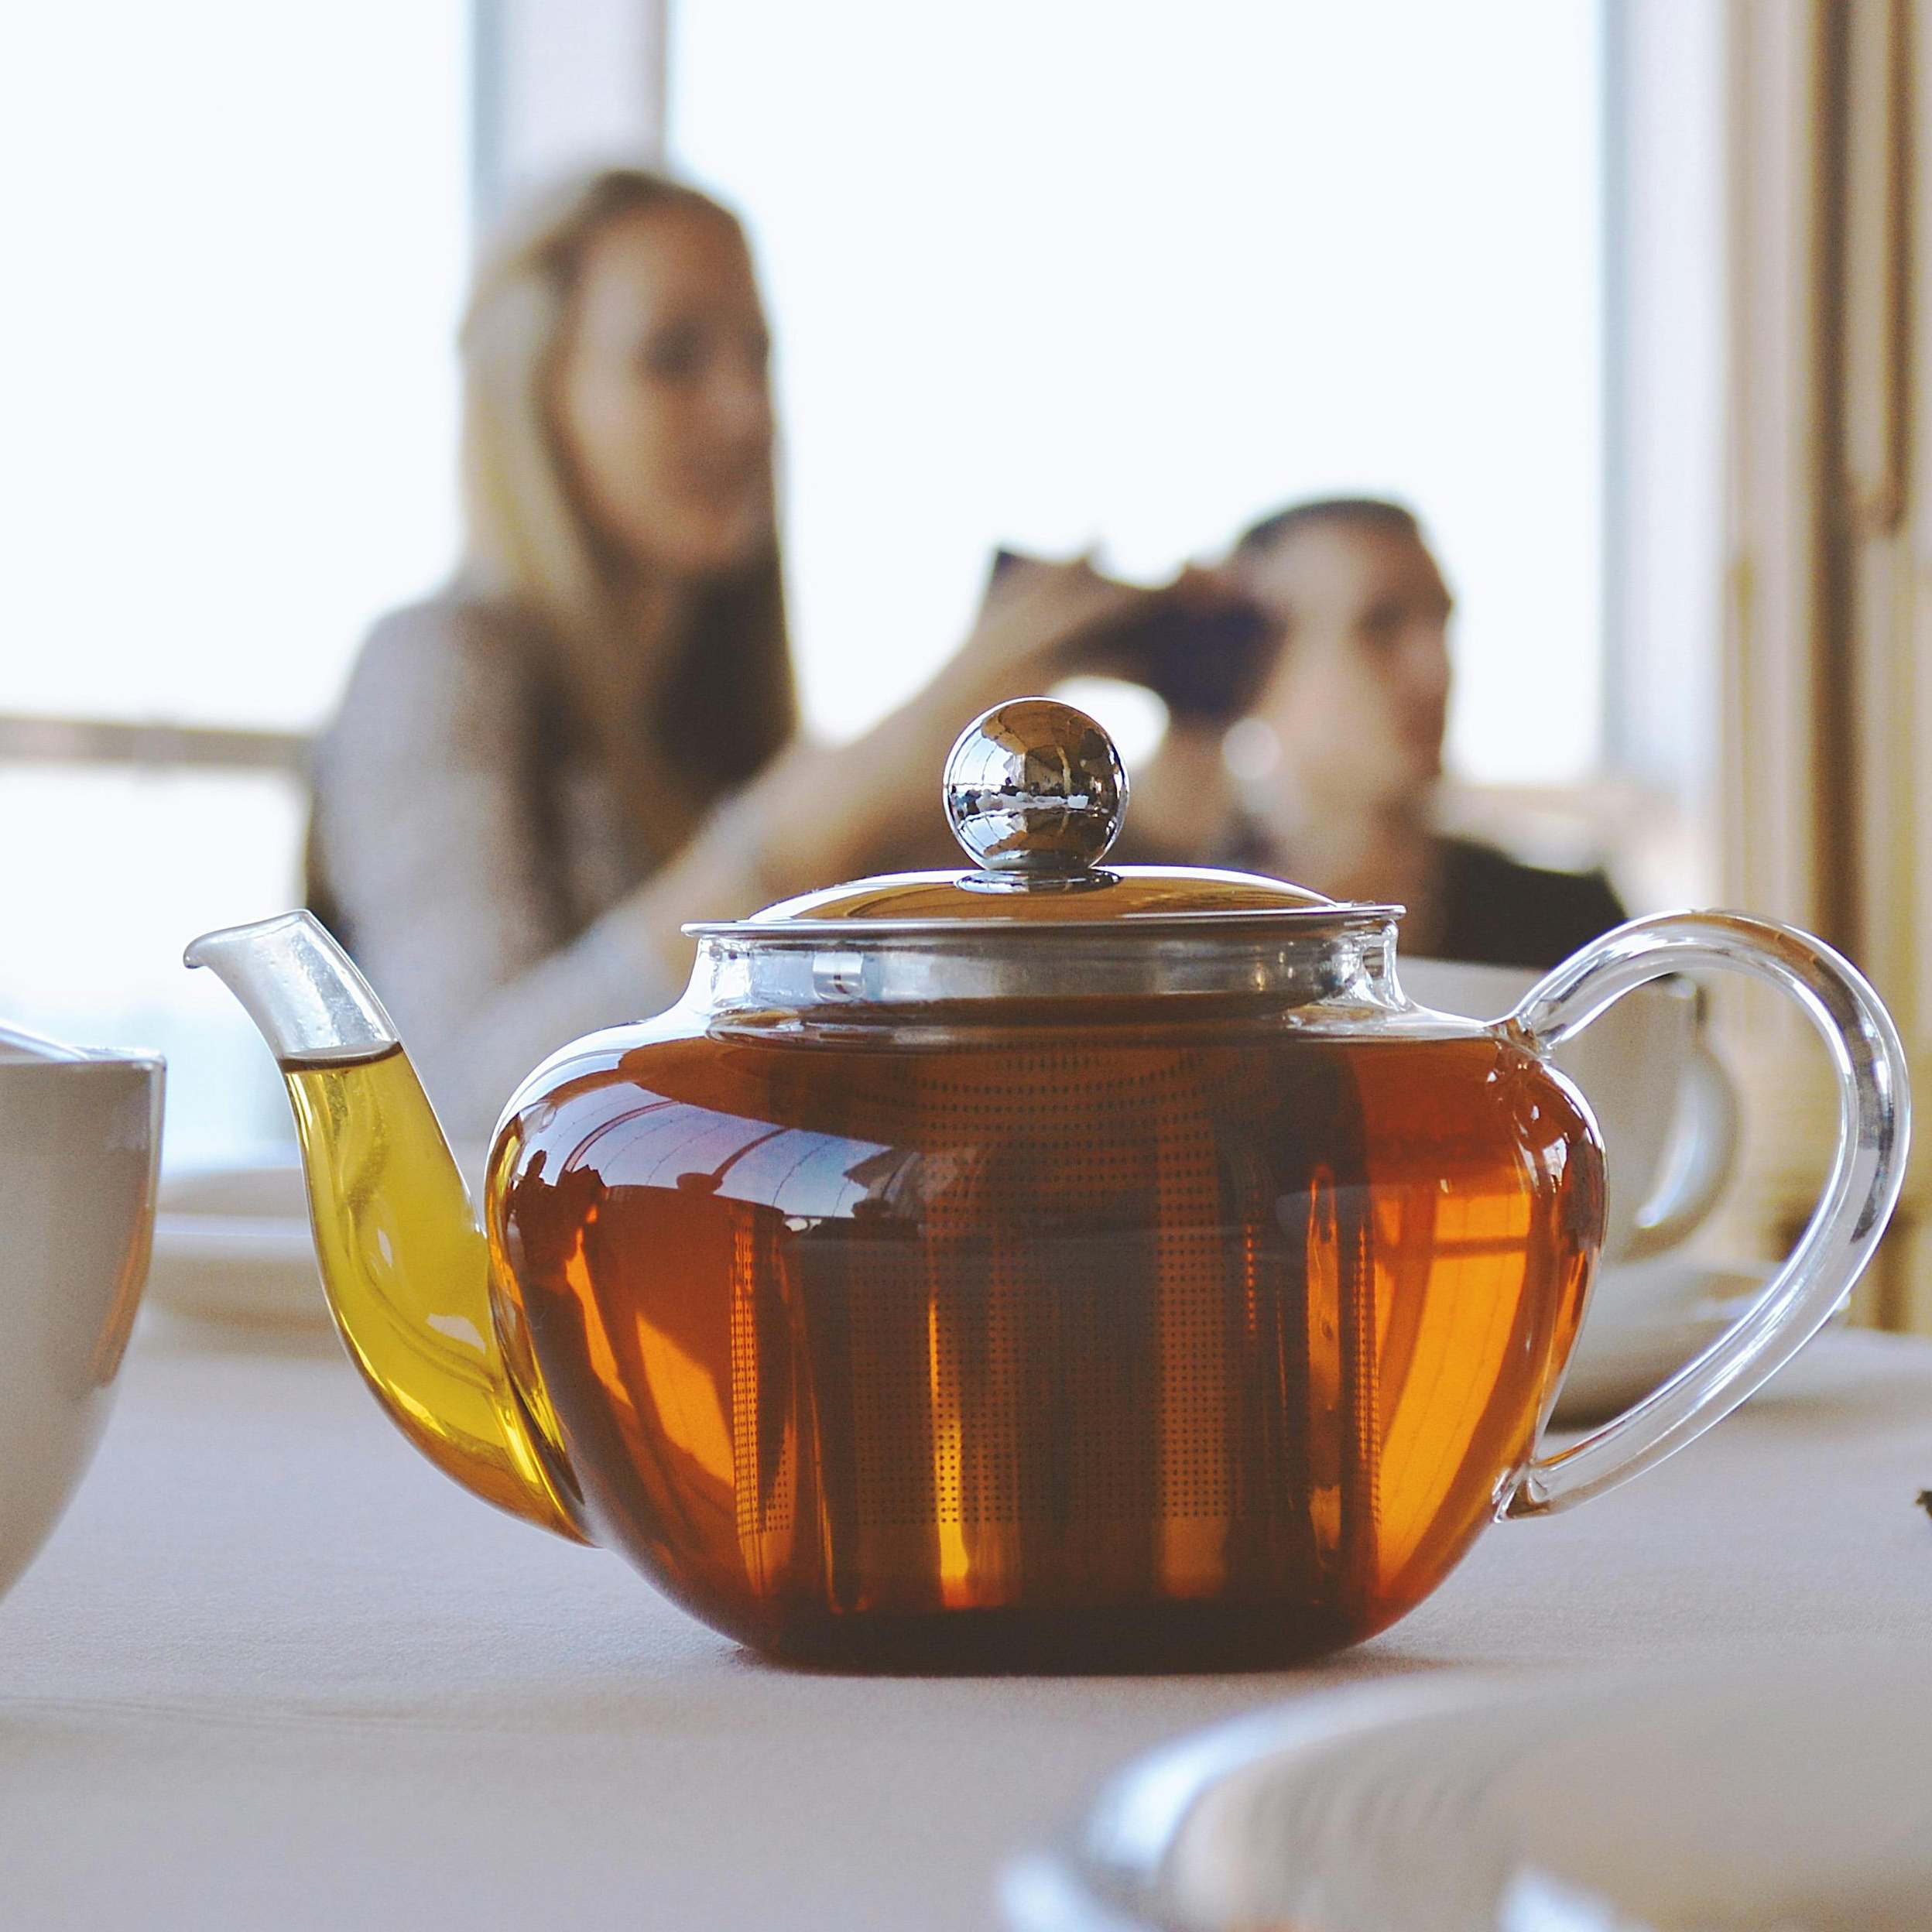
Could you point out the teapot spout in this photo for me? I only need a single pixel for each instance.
(405, 1264)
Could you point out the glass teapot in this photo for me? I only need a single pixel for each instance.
(1038, 1266)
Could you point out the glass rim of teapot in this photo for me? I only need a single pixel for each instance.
(1339, 958)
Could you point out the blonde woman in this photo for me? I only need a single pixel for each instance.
(536, 776)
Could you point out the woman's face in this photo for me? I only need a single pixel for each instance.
(663, 407)
(1359, 697)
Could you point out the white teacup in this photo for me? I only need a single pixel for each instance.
(80, 1146)
(1667, 1108)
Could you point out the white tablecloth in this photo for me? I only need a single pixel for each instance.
(273, 1671)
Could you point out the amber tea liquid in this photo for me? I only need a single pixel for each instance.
(1135, 1343)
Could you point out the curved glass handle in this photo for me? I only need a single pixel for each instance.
(1874, 1125)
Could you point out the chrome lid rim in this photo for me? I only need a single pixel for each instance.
(1309, 920)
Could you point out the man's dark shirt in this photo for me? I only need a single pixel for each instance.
(1499, 912)
(1495, 911)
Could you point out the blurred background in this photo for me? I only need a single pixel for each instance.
(1619, 293)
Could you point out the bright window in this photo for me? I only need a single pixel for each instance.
(230, 389)
(238, 233)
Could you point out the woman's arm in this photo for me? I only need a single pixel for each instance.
(819, 815)
(429, 821)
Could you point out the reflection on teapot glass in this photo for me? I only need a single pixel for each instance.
(1039, 1266)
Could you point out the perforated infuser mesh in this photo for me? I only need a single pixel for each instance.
(1046, 1325)
(762, 1438)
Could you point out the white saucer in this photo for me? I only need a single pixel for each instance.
(231, 1245)
(1652, 1802)
(1645, 1320)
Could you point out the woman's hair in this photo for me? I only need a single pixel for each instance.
(724, 702)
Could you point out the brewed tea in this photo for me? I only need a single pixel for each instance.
(1049, 1346)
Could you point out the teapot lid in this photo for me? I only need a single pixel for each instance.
(1035, 792)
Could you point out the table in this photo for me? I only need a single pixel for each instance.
(272, 1670)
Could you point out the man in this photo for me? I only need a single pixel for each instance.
(1340, 753)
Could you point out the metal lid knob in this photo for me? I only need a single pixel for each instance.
(1035, 792)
